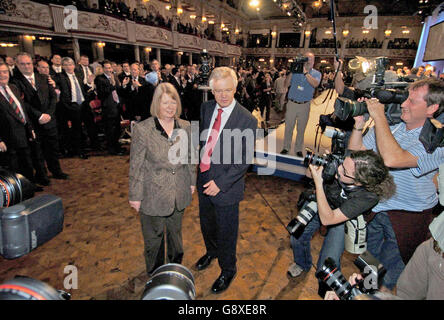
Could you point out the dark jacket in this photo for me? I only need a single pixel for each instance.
(43, 99)
(65, 91)
(13, 132)
(229, 177)
(104, 89)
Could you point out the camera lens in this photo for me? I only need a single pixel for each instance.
(14, 188)
(311, 158)
(330, 274)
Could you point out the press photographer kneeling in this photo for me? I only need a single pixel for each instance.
(360, 181)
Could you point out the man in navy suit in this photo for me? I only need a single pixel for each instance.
(225, 158)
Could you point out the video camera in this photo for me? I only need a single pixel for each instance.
(371, 269)
(297, 66)
(391, 94)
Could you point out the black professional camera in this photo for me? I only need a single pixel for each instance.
(371, 270)
(330, 163)
(432, 133)
(307, 209)
(205, 68)
(297, 66)
(391, 98)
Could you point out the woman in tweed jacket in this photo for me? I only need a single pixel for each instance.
(162, 177)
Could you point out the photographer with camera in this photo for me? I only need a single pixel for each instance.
(302, 80)
(400, 223)
(361, 180)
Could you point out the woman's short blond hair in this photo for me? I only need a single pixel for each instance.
(222, 73)
(165, 88)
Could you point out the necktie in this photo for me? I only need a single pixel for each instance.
(14, 106)
(206, 158)
(79, 99)
(32, 82)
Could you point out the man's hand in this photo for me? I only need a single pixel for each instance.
(193, 188)
(375, 108)
(90, 79)
(51, 82)
(331, 295)
(316, 173)
(337, 63)
(44, 118)
(211, 188)
(135, 205)
(136, 83)
(125, 81)
(3, 147)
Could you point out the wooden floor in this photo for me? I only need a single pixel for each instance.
(103, 240)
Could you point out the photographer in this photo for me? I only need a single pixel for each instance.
(302, 87)
(361, 181)
(400, 223)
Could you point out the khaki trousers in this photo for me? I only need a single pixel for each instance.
(299, 112)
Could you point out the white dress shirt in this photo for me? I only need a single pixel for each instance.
(73, 79)
(225, 115)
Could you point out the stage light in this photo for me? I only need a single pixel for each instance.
(193, 16)
(211, 22)
(345, 32)
(168, 7)
(254, 3)
(204, 19)
(101, 44)
(273, 34)
(365, 31)
(148, 49)
(307, 33)
(179, 11)
(388, 32)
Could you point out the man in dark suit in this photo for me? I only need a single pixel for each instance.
(220, 180)
(15, 128)
(72, 102)
(42, 99)
(85, 72)
(138, 94)
(108, 88)
(56, 66)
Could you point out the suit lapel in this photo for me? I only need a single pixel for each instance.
(7, 106)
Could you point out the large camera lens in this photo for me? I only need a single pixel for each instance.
(14, 188)
(307, 212)
(332, 276)
(25, 288)
(311, 158)
(345, 108)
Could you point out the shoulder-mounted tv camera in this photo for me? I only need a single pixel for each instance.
(297, 66)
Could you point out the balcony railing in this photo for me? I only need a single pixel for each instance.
(31, 17)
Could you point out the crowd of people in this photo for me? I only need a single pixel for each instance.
(67, 107)
(58, 108)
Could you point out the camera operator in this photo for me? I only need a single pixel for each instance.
(302, 87)
(361, 181)
(400, 223)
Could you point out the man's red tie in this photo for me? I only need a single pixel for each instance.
(14, 106)
(206, 158)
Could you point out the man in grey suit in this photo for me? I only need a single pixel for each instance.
(220, 181)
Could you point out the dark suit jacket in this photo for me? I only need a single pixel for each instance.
(229, 177)
(139, 101)
(41, 100)
(104, 93)
(79, 73)
(65, 90)
(13, 132)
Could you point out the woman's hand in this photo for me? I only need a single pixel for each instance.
(135, 205)
(316, 173)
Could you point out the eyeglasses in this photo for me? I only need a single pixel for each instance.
(222, 91)
(345, 172)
